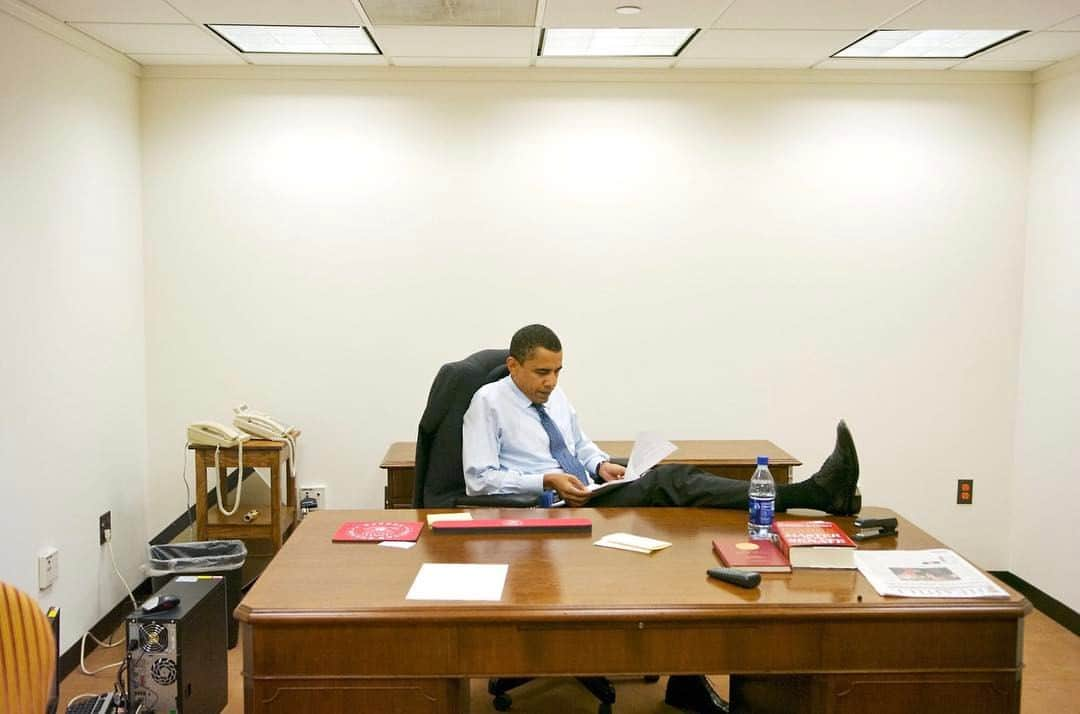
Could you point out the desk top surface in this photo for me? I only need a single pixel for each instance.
(564, 578)
(402, 454)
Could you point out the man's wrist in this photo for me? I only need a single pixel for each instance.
(599, 477)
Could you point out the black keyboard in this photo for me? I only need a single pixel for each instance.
(102, 704)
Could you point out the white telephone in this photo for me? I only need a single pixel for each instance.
(211, 433)
(258, 424)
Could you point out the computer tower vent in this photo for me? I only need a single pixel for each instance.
(164, 671)
(153, 638)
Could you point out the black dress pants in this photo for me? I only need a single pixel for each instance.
(677, 485)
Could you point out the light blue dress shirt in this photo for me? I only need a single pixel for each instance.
(504, 447)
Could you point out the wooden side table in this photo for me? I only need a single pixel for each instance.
(274, 525)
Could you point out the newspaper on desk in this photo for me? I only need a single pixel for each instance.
(649, 449)
(924, 573)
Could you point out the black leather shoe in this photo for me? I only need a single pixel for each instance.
(693, 693)
(839, 475)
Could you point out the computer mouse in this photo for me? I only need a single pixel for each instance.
(160, 603)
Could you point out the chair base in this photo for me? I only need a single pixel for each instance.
(600, 688)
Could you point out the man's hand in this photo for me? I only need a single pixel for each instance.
(611, 472)
(569, 488)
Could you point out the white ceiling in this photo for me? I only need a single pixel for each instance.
(791, 34)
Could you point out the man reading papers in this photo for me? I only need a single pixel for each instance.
(521, 436)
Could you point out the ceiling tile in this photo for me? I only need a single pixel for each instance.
(769, 44)
(802, 15)
(461, 61)
(455, 41)
(696, 63)
(1072, 25)
(186, 59)
(985, 14)
(315, 59)
(607, 62)
(109, 10)
(1039, 46)
(654, 13)
(894, 64)
(992, 65)
(155, 39)
(457, 13)
(270, 12)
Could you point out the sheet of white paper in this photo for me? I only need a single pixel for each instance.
(649, 449)
(924, 573)
(458, 581)
(399, 544)
(436, 517)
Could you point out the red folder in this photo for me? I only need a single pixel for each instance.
(351, 531)
(513, 525)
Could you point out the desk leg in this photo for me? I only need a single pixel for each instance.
(201, 466)
(290, 484)
(275, 504)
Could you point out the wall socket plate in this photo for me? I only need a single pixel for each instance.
(104, 524)
(965, 490)
(48, 567)
(316, 492)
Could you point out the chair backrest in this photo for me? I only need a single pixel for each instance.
(27, 654)
(440, 477)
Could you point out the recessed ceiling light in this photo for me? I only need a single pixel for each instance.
(614, 42)
(298, 39)
(628, 9)
(926, 44)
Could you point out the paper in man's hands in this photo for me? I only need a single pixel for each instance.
(649, 449)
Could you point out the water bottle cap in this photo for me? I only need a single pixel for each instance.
(763, 461)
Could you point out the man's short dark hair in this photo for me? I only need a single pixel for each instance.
(530, 337)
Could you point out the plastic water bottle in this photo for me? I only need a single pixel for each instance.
(762, 501)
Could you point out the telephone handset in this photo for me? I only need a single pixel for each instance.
(258, 424)
(211, 433)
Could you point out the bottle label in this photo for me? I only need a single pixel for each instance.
(761, 511)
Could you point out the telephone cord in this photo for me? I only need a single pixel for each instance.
(239, 479)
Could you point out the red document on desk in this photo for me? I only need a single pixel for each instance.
(363, 531)
(513, 525)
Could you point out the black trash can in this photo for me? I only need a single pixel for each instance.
(206, 557)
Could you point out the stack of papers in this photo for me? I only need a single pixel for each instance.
(436, 517)
(648, 450)
(628, 541)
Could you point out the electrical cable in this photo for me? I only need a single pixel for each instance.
(112, 557)
(187, 492)
(77, 697)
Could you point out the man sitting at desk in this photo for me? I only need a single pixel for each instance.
(521, 436)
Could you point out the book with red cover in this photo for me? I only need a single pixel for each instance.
(512, 525)
(815, 544)
(364, 531)
(759, 556)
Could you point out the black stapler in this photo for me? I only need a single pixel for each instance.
(875, 528)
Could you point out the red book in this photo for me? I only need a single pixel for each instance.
(351, 531)
(815, 544)
(759, 556)
(513, 525)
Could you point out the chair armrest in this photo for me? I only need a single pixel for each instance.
(498, 501)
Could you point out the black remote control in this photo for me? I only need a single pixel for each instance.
(742, 578)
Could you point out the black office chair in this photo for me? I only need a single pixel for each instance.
(440, 477)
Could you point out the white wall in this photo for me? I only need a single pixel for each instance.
(721, 260)
(1046, 486)
(72, 367)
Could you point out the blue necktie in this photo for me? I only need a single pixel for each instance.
(567, 461)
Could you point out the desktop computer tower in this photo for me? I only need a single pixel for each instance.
(177, 659)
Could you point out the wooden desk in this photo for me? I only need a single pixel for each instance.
(734, 459)
(274, 520)
(327, 628)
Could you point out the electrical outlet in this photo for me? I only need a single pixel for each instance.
(316, 492)
(48, 567)
(104, 524)
(964, 489)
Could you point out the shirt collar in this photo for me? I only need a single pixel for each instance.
(517, 395)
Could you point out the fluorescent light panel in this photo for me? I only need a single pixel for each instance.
(614, 42)
(298, 39)
(919, 44)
